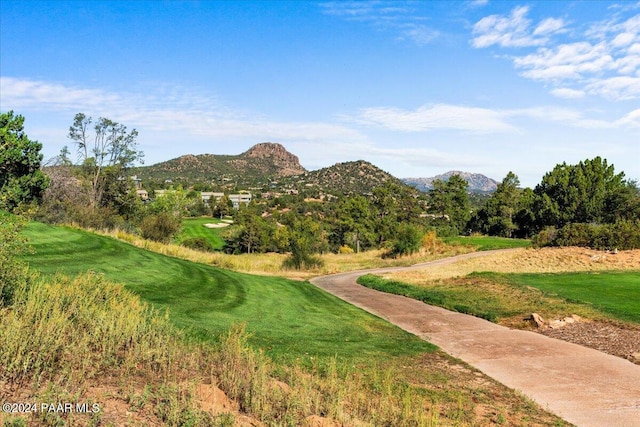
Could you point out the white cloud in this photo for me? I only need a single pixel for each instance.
(420, 34)
(434, 117)
(478, 3)
(513, 30)
(400, 17)
(169, 109)
(632, 119)
(567, 93)
(605, 62)
(443, 117)
(549, 26)
(616, 88)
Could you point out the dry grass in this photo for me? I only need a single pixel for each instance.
(545, 260)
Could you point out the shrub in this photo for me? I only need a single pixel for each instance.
(545, 237)
(161, 227)
(13, 273)
(344, 249)
(621, 235)
(198, 243)
(576, 235)
(408, 240)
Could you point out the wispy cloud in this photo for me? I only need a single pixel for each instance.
(399, 17)
(166, 109)
(603, 60)
(444, 117)
(514, 30)
(434, 117)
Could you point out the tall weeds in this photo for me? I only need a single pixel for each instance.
(80, 327)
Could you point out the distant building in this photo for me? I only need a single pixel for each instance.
(238, 199)
(143, 194)
(208, 195)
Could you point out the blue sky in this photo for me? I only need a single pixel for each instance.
(415, 87)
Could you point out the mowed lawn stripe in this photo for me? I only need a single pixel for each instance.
(288, 318)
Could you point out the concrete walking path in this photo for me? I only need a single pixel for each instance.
(581, 385)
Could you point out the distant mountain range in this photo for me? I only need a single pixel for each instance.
(270, 167)
(477, 182)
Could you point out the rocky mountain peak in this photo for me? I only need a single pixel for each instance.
(276, 153)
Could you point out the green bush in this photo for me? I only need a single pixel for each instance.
(161, 227)
(198, 243)
(545, 238)
(13, 273)
(408, 240)
(622, 235)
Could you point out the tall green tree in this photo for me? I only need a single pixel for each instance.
(105, 152)
(393, 205)
(21, 179)
(353, 223)
(589, 192)
(502, 208)
(450, 199)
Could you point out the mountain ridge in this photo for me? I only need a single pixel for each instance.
(269, 166)
(477, 182)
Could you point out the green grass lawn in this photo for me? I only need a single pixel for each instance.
(616, 293)
(194, 227)
(486, 243)
(496, 297)
(288, 319)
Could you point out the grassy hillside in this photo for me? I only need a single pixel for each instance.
(287, 318)
(94, 341)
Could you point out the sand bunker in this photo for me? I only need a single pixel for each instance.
(219, 225)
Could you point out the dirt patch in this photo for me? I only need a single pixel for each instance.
(620, 340)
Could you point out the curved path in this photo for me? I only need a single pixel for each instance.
(581, 385)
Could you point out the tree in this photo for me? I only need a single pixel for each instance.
(393, 204)
(450, 199)
(353, 223)
(306, 238)
(502, 207)
(104, 155)
(589, 192)
(21, 180)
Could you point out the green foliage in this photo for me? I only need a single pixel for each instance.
(197, 243)
(619, 235)
(21, 180)
(408, 240)
(354, 219)
(498, 216)
(13, 273)
(589, 192)
(306, 238)
(104, 155)
(162, 227)
(449, 201)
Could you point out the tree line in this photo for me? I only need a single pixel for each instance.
(585, 204)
